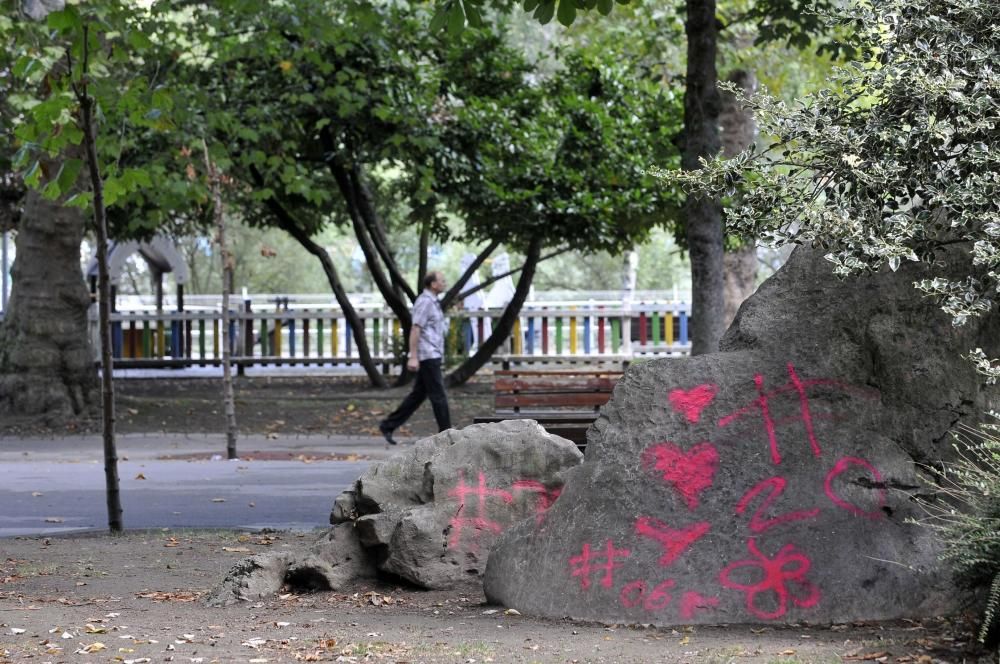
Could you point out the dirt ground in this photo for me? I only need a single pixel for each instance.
(136, 599)
(303, 405)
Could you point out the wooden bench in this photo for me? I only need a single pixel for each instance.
(566, 403)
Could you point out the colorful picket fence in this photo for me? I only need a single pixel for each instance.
(322, 337)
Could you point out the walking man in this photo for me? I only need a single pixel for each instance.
(426, 354)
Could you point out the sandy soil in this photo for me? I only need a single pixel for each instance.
(303, 405)
(137, 598)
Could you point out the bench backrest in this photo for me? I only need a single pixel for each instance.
(514, 389)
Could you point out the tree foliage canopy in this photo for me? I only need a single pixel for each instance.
(902, 159)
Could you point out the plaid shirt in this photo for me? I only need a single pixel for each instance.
(428, 315)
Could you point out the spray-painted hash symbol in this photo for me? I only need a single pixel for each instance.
(478, 522)
(589, 562)
(798, 387)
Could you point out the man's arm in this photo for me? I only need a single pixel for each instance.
(412, 362)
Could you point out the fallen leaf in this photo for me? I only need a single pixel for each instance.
(36, 494)
(787, 653)
(236, 549)
(94, 629)
(218, 500)
(97, 646)
(17, 630)
(512, 612)
(140, 476)
(54, 519)
(163, 596)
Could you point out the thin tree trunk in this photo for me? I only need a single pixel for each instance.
(399, 307)
(739, 132)
(703, 214)
(228, 399)
(104, 300)
(355, 201)
(373, 223)
(504, 326)
(425, 236)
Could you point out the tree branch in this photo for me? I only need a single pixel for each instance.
(287, 222)
(373, 223)
(339, 172)
(451, 297)
(498, 277)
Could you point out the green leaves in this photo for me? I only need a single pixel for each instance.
(64, 181)
(898, 159)
(41, 96)
(66, 20)
(454, 14)
(567, 11)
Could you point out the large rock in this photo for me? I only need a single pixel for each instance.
(331, 562)
(430, 514)
(771, 481)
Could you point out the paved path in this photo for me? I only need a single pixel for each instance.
(56, 485)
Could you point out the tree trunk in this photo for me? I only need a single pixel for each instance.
(104, 300)
(703, 214)
(739, 132)
(46, 361)
(506, 323)
(741, 278)
(218, 212)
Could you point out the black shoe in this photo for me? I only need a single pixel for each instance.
(387, 434)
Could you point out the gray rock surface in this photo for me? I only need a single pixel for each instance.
(431, 514)
(769, 482)
(330, 563)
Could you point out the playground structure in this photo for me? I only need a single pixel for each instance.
(308, 330)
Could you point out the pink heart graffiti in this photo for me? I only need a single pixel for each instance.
(689, 472)
(691, 402)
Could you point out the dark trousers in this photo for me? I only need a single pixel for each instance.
(429, 384)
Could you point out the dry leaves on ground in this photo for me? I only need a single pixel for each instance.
(169, 596)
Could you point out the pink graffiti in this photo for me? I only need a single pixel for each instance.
(674, 542)
(789, 566)
(479, 522)
(689, 472)
(692, 602)
(799, 387)
(587, 563)
(758, 523)
(545, 496)
(839, 469)
(634, 594)
(691, 402)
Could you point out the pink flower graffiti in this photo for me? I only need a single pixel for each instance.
(780, 575)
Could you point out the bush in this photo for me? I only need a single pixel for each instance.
(967, 518)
